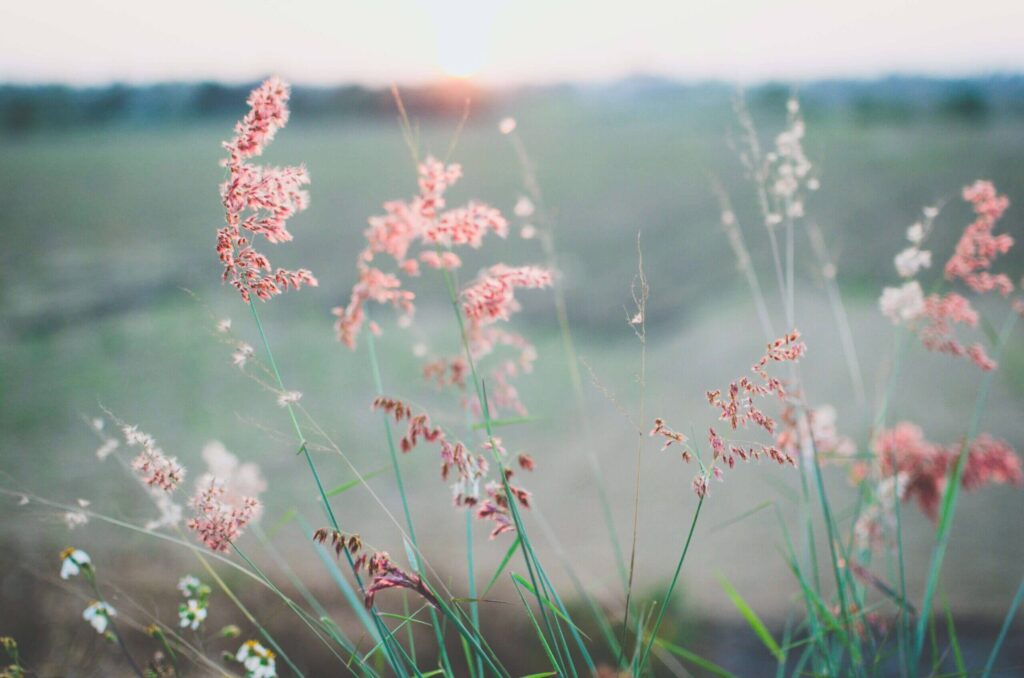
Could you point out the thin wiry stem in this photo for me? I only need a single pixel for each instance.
(547, 240)
(399, 668)
(953, 491)
(379, 384)
(641, 292)
(668, 594)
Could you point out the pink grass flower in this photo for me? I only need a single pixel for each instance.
(924, 467)
(384, 574)
(218, 523)
(978, 247)
(153, 467)
(259, 199)
(492, 297)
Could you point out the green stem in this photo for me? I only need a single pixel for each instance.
(381, 629)
(953, 492)
(668, 595)
(379, 384)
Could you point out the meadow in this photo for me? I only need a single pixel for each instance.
(111, 293)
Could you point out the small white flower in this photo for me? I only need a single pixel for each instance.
(507, 125)
(524, 207)
(98, 614)
(188, 585)
(192, 614)
(288, 398)
(911, 260)
(901, 304)
(75, 518)
(73, 560)
(242, 355)
(224, 325)
(258, 660)
(915, 233)
(104, 450)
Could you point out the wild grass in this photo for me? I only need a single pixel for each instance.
(852, 614)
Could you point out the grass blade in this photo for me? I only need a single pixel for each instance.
(751, 618)
(501, 566)
(694, 659)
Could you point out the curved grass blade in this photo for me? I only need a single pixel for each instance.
(751, 618)
(694, 659)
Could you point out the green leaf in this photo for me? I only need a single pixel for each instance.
(540, 634)
(508, 421)
(345, 487)
(694, 659)
(551, 606)
(751, 617)
(501, 566)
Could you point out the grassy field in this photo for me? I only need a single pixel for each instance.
(104, 228)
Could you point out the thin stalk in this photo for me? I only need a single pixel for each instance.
(302, 614)
(528, 555)
(245, 612)
(640, 294)
(668, 595)
(474, 608)
(547, 240)
(953, 492)
(379, 384)
(90, 576)
(395, 664)
(1010, 614)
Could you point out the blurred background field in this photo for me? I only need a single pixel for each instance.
(108, 216)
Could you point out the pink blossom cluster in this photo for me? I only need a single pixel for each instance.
(466, 469)
(978, 247)
(153, 467)
(422, 221)
(492, 297)
(738, 408)
(217, 523)
(924, 467)
(936, 316)
(259, 199)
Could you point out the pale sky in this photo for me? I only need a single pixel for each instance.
(502, 41)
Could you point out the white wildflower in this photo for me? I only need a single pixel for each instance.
(507, 125)
(188, 585)
(72, 562)
(242, 354)
(108, 446)
(524, 207)
(191, 614)
(901, 304)
(98, 614)
(75, 518)
(915, 233)
(911, 260)
(258, 660)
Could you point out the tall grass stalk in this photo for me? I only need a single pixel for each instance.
(642, 659)
(952, 493)
(379, 385)
(547, 241)
(304, 450)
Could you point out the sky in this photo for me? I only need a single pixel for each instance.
(502, 42)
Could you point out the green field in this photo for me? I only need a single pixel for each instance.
(103, 228)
